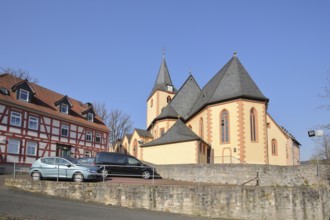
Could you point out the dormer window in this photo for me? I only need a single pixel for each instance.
(24, 95)
(89, 113)
(24, 91)
(90, 117)
(64, 108)
(64, 105)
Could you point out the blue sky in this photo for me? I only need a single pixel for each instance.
(110, 51)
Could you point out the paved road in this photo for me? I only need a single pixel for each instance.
(28, 205)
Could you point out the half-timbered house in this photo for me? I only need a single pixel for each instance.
(37, 122)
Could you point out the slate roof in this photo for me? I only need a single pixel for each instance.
(167, 112)
(163, 79)
(44, 101)
(186, 97)
(179, 132)
(144, 133)
(231, 82)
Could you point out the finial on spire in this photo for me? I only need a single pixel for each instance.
(235, 53)
(163, 51)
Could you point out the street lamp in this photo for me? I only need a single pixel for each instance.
(316, 133)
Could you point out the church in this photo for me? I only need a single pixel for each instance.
(224, 122)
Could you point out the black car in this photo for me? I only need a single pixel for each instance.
(123, 165)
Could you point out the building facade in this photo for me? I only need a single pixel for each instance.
(37, 122)
(226, 121)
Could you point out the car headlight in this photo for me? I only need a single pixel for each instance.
(92, 171)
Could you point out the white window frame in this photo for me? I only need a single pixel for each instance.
(65, 127)
(33, 123)
(21, 95)
(89, 136)
(13, 146)
(16, 119)
(98, 138)
(31, 148)
(90, 117)
(64, 108)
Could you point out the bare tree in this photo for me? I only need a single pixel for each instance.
(118, 122)
(20, 73)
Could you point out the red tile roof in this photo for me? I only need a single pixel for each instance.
(44, 100)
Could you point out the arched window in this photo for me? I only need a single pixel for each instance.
(274, 147)
(201, 128)
(190, 126)
(253, 124)
(224, 126)
(135, 148)
(151, 102)
(169, 99)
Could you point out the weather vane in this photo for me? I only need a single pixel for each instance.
(164, 51)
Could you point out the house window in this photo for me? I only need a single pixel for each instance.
(89, 136)
(31, 148)
(224, 126)
(253, 125)
(33, 123)
(90, 117)
(162, 132)
(65, 130)
(13, 146)
(98, 138)
(23, 95)
(274, 147)
(64, 108)
(15, 119)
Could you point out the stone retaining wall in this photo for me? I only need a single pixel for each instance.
(238, 174)
(233, 202)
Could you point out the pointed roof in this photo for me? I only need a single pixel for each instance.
(163, 79)
(167, 112)
(179, 132)
(186, 97)
(143, 133)
(231, 82)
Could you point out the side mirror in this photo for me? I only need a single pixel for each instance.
(68, 165)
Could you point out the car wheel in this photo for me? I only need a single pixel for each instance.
(146, 174)
(36, 176)
(78, 178)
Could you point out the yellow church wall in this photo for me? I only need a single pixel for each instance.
(155, 104)
(275, 133)
(255, 152)
(125, 143)
(239, 149)
(176, 153)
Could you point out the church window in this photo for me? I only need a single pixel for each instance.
(162, 132)
(168, 99)
(151, 103)
(201, 128)
(253, 125)
(224, 126)
(274, 147)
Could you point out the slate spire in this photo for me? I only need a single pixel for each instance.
(231, 82)
(163, 80)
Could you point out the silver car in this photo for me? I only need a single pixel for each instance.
(63, 168)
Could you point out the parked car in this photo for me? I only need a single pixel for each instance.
(124, 165)
(63, 168)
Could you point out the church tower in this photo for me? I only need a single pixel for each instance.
(161, 94)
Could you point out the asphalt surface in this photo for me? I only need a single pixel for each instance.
(33, 206)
